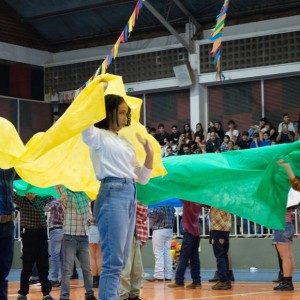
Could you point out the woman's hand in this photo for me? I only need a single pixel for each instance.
(146, 144)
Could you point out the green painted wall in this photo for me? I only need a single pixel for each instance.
(245, 253)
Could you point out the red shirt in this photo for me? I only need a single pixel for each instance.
(190, 217)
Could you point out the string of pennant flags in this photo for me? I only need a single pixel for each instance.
(69, 96)
(216, 37)
(115, 49)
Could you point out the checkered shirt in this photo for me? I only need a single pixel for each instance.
(219, 219)
(76, 211)
(162, 217)
(142, 222)
(32, 211)
(56, 213)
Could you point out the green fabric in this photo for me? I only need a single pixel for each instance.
(248, 183)
(23, 187)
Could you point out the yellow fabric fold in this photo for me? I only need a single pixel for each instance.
(59, 156)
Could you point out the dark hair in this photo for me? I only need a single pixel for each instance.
(112, 103)
(285, 114)
(56, 113)
(231, 122)
(161, 125)
(245, 133)
(174, 126)
(264, 120)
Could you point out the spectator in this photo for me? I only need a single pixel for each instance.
(219, 130)
(287, 121)
(200, 132)
(224, 145)
(188, 133)
(232, 131)
(285, 135)
(213, 145)
(174, 136)
(244, 142)
(162, 222)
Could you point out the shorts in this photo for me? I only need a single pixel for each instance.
(94, 237)
(284, 236)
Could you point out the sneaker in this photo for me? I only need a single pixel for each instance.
(215, 278)
(284, 286)
(55, 283)
(135, 298)
(153, 279)
(279, 277)
(175, 285)
(90, 297)
(48, 297)
(222, 285)
(34, 281)
(168, 279)
(193, 286)
(21, 297)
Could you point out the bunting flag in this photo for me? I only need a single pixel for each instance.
(247, 183)
(216, 37)
(114, 51)
(59, 156)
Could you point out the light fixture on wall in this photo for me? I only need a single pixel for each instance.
(184, 75)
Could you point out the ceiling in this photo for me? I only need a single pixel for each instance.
(61, 25)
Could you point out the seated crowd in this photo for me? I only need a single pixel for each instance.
(217, 139)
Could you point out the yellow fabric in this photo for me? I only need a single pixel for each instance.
(58, 156)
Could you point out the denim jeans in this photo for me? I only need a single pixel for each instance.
(220, 242)
(56, 240)
(115, 215)
(6, 255)
(161, 242)
(189, 253)
(71, 245)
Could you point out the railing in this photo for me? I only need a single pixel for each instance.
(240, 227)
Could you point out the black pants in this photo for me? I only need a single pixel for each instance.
(220, 243)
(35, 248)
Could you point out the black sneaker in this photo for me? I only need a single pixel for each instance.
(279, 277)
(55, 283)
(284, 286)
(91, 297)
(34, 281)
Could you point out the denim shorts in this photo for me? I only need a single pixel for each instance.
(284, 236)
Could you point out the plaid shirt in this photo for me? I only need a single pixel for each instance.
(76, 211)
(162, 217)
(142, 222)
(219, 219)
(6, 191)
(56, 213)
(32, 211)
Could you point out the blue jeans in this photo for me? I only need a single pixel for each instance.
(56, 240)
(189, 252)
(6, 255)
(220, 242)
(115, 214)
(71, 245)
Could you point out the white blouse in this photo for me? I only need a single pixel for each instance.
(113, 156)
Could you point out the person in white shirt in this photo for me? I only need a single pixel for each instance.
(114, 161)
